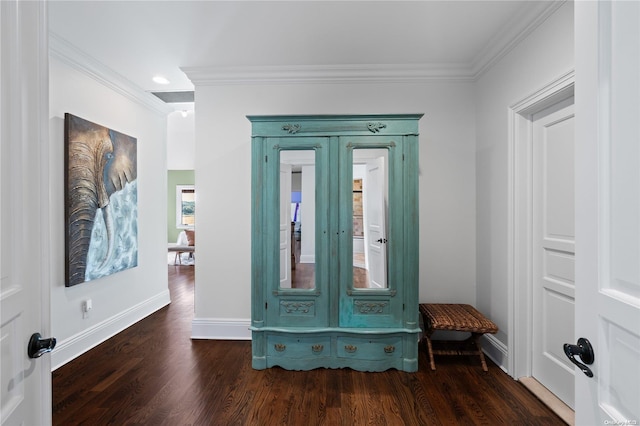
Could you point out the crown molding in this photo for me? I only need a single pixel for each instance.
(499, 46)
(368, 73)
(69, 54)
(510, 36)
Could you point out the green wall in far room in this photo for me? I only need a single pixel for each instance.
(176, 177)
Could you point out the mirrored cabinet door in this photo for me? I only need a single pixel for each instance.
(369, 290)
(295, 193)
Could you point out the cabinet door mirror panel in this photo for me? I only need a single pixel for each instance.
(370, 218)
(297, 219)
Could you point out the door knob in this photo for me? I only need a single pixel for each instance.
(585, 351)
(39, 346)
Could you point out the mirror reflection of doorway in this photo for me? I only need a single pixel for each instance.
(370, 206)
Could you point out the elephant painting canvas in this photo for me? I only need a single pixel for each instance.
(101, 208)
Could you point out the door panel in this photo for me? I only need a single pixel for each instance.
(381, 304)
(619, 284)
(554, 247)
(375, 217)
(25, 395)
(287, 301)
(608, 203)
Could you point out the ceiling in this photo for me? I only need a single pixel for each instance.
(140, 39)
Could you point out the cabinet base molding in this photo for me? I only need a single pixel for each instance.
(370, 350)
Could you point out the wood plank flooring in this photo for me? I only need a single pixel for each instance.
(304, 276)
(153, 374)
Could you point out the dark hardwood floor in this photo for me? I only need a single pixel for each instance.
(153, 374)
(304, 276)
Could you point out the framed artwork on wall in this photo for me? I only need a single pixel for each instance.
(101, 201)
(185, 206)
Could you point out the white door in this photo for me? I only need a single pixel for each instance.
(375, 238)
(553, 248)
(608, 210)
(285, 225)
(25, 396)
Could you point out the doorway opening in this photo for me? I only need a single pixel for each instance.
(533, 252)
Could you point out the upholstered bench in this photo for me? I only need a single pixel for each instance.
(179, 250)
(186, 244)
(456, 317)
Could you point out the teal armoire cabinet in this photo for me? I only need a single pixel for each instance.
(334, 248)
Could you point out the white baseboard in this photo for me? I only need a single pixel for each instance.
(91, 337)
(307, 258)
(496, 351)
(221, 328)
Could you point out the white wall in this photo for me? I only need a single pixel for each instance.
(223, 162)
(125, 297)
(180, 141)
(538, 60)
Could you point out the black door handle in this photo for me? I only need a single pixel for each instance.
(585, 351)
(39, 346)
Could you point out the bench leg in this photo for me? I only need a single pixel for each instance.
(476, 341)
(427, 336)
(430, 352)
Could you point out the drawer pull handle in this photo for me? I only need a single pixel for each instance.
(317, 348)
(389, 349)
(280, 347)
(350, 348)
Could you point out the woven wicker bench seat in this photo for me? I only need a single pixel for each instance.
(456, 317)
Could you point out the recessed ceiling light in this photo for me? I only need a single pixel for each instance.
(160, 79)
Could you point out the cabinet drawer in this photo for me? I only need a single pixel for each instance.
(298, 347)
(370, 348)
